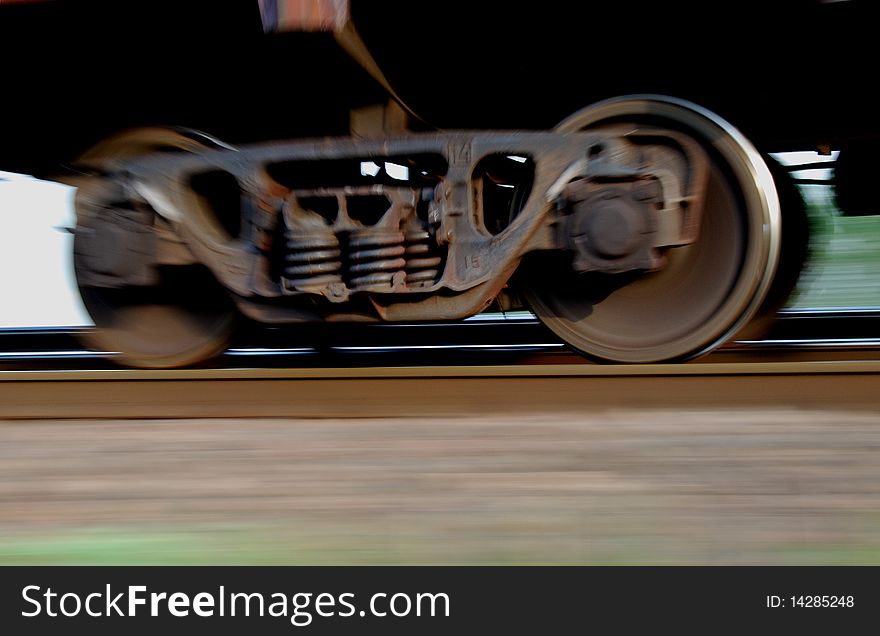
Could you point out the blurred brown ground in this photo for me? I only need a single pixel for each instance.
(613, 486)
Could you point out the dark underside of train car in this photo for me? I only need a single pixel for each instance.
(76, 72)
(784, 72)
(790, 75)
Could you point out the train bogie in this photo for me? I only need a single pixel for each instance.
(641, 229)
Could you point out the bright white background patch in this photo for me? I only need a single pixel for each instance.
(37, 286)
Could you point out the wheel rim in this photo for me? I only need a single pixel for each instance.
(708, 290)
(185, 319)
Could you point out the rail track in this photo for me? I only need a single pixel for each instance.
(497, 364)
(490, 339)
(439, 391)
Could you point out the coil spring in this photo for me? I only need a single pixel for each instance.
(422, 263)
(312, 261)
(375, 259)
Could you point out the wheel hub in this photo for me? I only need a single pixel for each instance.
(611, 229)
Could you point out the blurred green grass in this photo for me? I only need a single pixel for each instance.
(274, 546)
(843, 269)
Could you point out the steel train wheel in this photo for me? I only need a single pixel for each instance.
(185, 319)
(708, 290)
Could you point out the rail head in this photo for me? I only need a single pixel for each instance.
(868, 367)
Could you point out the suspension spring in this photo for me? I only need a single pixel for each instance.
(422, 263)
(376, 260)
(313, 261)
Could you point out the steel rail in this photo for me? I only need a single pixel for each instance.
(487, 339)
(429, 391)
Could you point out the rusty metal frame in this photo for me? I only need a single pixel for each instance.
(477, 263)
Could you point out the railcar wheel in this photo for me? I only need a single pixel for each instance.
(707, 290)
(184, 319)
